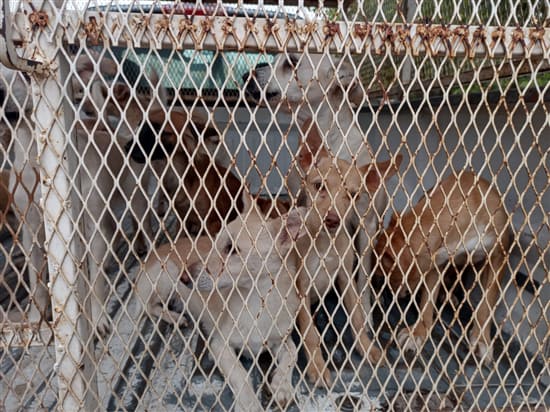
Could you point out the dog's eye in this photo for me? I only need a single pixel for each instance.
(352, 195)
(319, 186)
(230, 249)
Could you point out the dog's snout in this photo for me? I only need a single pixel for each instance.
(332, 220)
(188, 273)
(185, 277)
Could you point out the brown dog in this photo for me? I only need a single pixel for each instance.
(203, 191)
(5, 196)
(332, 186)
(461, 221)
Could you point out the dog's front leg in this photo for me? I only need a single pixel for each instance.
(281, 383)
(141, 213)
(354, 307)
(246, 399)
(480, 336)
(429, 288)
(100, 229)
(317, 370)
(364, 271)
(364, 225)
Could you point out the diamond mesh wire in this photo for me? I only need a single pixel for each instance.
(238, 238)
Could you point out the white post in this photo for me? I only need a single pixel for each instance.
(75, 372)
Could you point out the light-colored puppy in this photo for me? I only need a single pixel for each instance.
(249, 278)
(332, 187)
(461, 221)
(321, 91)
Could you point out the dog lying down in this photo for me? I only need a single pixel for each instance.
(460, 222)
(241, 291)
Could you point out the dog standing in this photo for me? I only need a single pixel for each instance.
(319, 90)
(332, 186)
(251, 304)
(463, 221)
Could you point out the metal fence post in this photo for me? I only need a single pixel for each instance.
(74, 369)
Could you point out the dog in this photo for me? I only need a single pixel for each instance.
(462, 221)
(332, 186)
(5, 197)
(92, 141)
(321, 91)
(160, 280)
(203, 191)
(241, 290)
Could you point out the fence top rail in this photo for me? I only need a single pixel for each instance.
(273, 35)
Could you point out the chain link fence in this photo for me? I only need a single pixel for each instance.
(210, 206)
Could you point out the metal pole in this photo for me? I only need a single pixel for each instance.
(73, 367)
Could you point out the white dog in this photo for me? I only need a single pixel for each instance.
(249, 281)
(319, 90)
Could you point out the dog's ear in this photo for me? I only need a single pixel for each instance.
(312, 148)
(393, 220)
(99, 93)
(247, 199)
(122, 93)
(101, 100)
(85, 66)
(178, 117)
(376, 173)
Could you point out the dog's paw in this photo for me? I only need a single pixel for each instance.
(281, 389)
(409, 342)
(318, 379)
(483, 351)
(374, 354)
(368, 349)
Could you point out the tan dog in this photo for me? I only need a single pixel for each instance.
(332, 186)
(248, 281)
(462, 220)
(322, 91)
